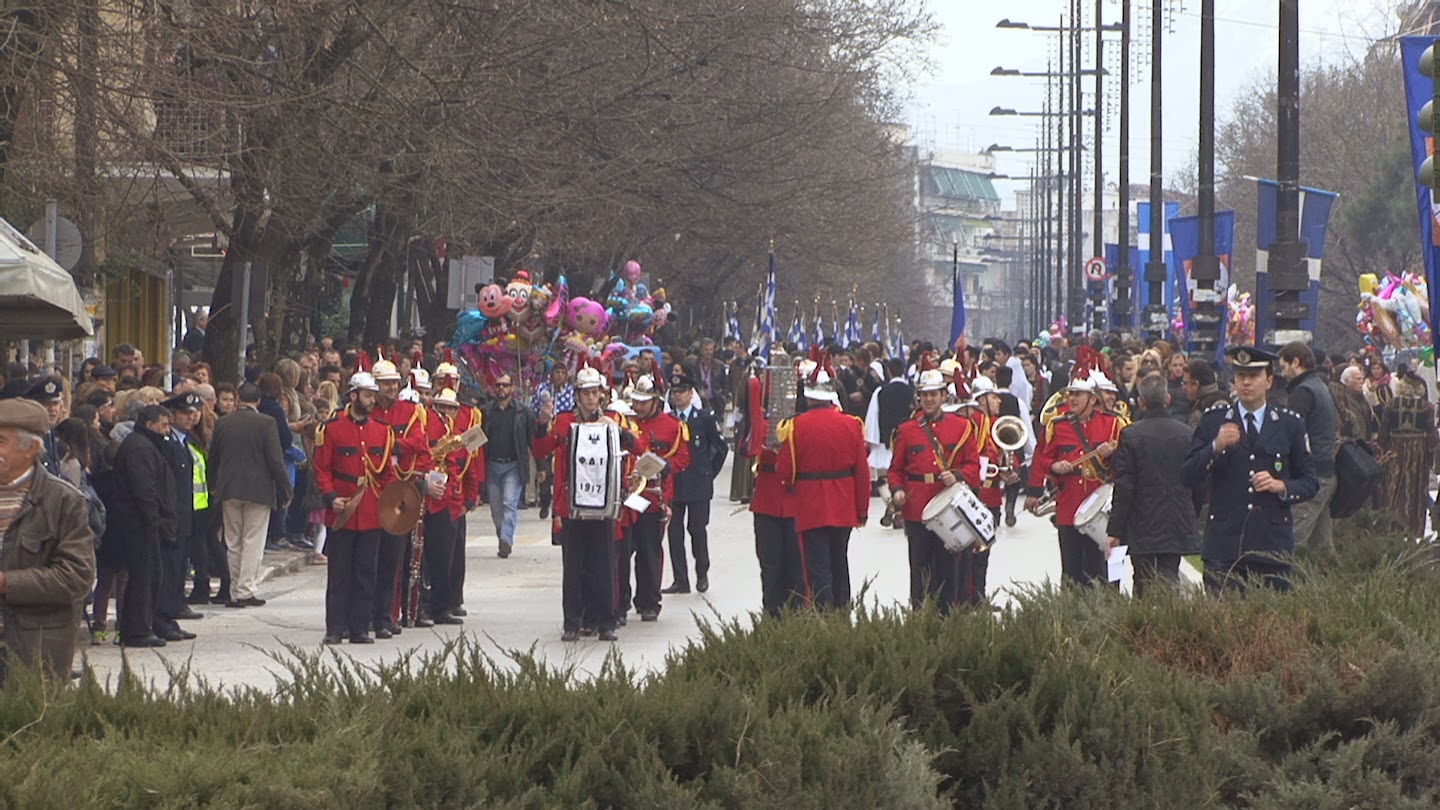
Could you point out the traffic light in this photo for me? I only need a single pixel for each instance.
(1426, 118)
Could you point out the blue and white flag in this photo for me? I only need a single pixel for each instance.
(1185, 234)
(897, 347)
(818, 335)
(797, 332)
(767, 313)
(875, 324)
(957, 306)
(1139, 288)
(1420, 89)
(732, 322)
(852, 325)
(1315, 207)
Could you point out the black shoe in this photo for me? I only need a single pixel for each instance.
(649, 615)
(302, 543)
(886, 519)
(424, 622)
(383, 633)
(570, 635)
(237, 603)
(586, 632)
(146, 641)
(253, 601)
(702, 583)
(1010, 520)
(393, 628)
(504, 550)
(333, 638)
(608, 635)
(221, 598)
(622, 621)
(197, 598)
(362, 639)
(177, 635)
(271, 545)
(190, 615)
(544, 512)
(458, 611)
(446, 618)
(676, 589)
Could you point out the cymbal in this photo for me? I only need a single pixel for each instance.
(399, 507)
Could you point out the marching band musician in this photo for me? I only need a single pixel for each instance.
(412, 460)
(465, 417)
(668, 438)
(1083, 431)
(994, 478)
(445, 513)
(353, 460)
(587, 546)
(773, 511)
(624, 415)
(1256, 460)
(822, 461)
(930, 453)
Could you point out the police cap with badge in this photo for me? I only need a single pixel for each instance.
(188, 401)
(1249, 358)
(46, 389)
(680, 382)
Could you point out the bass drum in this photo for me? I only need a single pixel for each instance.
(1093, 516)
(958, 518)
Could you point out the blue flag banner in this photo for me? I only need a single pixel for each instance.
(957, 308)
(1185, 236)
(1139, 288)
(1315, 207)
(818, 336)
(732, 323)
(852, 325)
(1419, 90)
(875, 324)
(897, 349)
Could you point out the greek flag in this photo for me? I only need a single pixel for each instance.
(732, 322)
(797, 331)
(1315, 208)
(875, 325)
(819, 334)
(852, 325)
(897, 349)
(1139, 288)
(767, 315)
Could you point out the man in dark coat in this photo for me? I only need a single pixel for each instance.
(145, 512)
(694, 487)
(1152, 511)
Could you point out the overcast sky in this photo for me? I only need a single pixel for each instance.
(950, 108)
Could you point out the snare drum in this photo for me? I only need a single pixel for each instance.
(958, 518)
(1093, 516)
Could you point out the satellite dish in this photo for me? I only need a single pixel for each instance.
(68, 242)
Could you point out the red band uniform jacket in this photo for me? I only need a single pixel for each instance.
(915, 469)
(1063, 443)
(669, 438)
(822, 461)
(352, 457)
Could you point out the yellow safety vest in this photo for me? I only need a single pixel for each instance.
(200, 490)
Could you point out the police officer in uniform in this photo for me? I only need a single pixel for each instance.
(694, 487)
(353, 460)
(170, 604)
(50, 392)
(930, 453)
(1255, 458)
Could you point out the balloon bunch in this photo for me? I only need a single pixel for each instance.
(632, 305)
(1054, 335)
(1240, 325)
(524, 327)
(1395, 312)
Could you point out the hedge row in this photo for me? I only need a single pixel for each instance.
(1323, 698)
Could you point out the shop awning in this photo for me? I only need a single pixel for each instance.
(38, 298)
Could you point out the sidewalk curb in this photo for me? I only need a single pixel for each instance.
(279, 563)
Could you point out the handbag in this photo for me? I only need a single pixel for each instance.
(1357, 473)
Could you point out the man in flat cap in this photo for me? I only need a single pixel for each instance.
(47, 550)
(1255, 459)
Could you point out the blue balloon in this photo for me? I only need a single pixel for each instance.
(468, 327)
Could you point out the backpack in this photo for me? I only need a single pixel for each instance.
(1357, 473)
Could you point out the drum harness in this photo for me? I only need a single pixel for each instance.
(939, 450)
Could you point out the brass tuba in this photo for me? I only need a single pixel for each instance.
(1010, 433)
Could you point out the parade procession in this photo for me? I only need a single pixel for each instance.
(739, 403)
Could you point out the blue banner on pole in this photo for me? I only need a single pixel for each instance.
(1185, 236)
(1418, 91)
(1315, 207)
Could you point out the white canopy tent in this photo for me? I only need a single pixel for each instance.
(38, 298)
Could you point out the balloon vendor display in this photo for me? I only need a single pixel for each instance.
(526, 326)
(1394, 313)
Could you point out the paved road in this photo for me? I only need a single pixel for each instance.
(514, 603)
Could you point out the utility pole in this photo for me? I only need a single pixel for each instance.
(1204, 327)
(1122, 314)
(1288, 275)
(1155, 269)
(1076, 311)
(1099, 317)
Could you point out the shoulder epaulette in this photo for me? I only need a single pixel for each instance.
(1220, 405)
(785, 430)
(320, 430)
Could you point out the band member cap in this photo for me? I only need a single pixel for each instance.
(363, 381)
(931, 380)
(384, 370)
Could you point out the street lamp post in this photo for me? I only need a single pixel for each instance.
(1155, 269)
(1204, 327)
(1287, 272)
(1121, 314)
(1098, 317)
